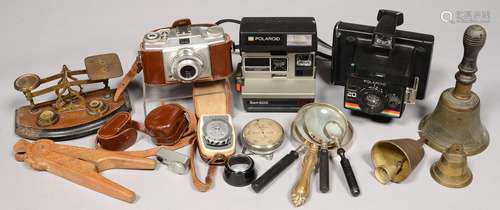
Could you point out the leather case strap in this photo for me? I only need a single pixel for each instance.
(181, 22)
(209, 98)
(135, 69)
(212, 166)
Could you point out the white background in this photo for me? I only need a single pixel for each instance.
(40, 36)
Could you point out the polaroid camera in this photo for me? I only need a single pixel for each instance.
(277, 71)
(381, 68)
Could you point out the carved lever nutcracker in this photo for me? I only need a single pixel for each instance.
(82, 165)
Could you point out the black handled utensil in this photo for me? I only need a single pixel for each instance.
(275, 170)
(324, 170)
(344, 162)
(349, 173)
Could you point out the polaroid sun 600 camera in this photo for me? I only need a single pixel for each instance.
(381, 68)
(186, 53)
(277, 71)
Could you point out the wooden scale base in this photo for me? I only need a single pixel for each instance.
(73, 123)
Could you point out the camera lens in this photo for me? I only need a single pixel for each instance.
(188, 72)
(372, 101)
(187, 66)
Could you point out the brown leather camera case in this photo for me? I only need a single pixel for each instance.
(166, 124)
(118, 133)
(154, 70)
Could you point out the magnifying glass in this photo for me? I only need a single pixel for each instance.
(310, 138)
(328, 126)
(309, 129)
(318, 119)
(284, 162)
(329, 130)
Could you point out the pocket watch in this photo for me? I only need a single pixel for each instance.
(262, 136)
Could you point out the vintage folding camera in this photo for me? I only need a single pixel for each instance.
(381, 68)
(277, 71)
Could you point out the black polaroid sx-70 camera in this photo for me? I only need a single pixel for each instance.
(381, 68)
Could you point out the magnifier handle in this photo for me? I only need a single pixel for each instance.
(301, 190)
(324, 170)
(274, 171)
(349, 174)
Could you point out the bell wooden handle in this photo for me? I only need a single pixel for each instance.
(301, 190)
(474, 39)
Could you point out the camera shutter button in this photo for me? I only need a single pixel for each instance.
(152, 36)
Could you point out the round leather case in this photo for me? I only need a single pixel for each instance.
(166, 124)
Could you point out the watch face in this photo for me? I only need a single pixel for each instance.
(263, 132)
(217, 132)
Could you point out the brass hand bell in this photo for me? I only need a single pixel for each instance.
(456, 119)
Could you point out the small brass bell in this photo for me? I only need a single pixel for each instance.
(456, 118)
(394, 160)
(452, 170)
